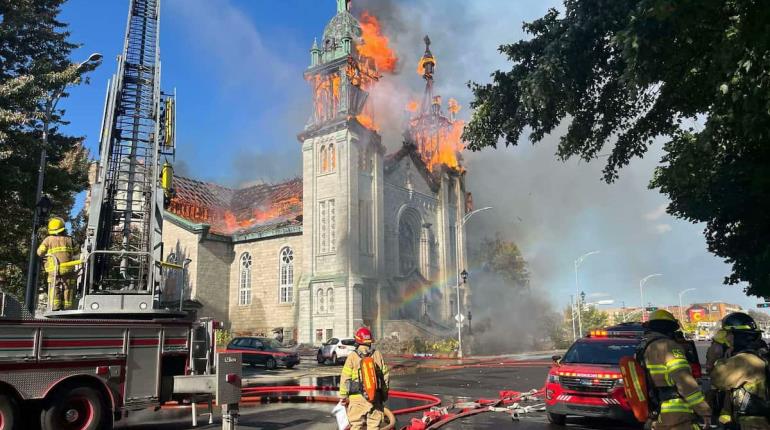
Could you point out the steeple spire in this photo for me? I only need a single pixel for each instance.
(343, 6)
(427, 67)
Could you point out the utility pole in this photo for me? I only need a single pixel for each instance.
(578, 262)
(41, 204)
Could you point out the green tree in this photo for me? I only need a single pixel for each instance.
(623, 73)
(591, 318)
(503, 258)
(35, 50)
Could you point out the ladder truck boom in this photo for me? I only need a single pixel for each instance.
(129, 345)
(123, 249)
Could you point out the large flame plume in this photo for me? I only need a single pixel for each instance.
(376, 45)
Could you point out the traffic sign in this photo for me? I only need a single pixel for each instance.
(459, 318)
(763, 305)
(651, 309)
(459, 325)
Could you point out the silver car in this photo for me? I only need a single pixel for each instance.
(336, 350)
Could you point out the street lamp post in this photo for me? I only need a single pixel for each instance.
(51, 100)
(641, 289)
(459, 226)
(681, 309)
(578, 262)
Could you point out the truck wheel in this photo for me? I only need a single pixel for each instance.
(335, 361)
(557, 419)
(271, 364)
(9, 412)
(75, 408)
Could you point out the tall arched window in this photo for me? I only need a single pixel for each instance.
(332, 158)
(324, 160)
(286, 290)
(319, 300)
(330, 300)
(244, 281)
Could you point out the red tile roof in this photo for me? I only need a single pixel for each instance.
(238, 211)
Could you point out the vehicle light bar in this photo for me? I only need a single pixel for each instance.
(614, 333)
(592, 375)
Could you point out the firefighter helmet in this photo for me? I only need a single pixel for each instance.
(738, 321)
(662, 321)
(55, 225)
(662, 315)
(364, 336)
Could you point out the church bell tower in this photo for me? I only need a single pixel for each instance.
(342, 183)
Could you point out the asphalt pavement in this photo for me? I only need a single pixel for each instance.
(437, 377)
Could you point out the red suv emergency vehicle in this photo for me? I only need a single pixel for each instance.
(587, 381)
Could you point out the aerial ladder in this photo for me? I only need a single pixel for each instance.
(125, 348)
(122, 254)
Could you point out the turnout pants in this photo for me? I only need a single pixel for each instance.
(61, 293)
(364, 415)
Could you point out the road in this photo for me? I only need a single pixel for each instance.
(449, 384)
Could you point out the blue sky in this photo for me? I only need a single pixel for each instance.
(237, 68)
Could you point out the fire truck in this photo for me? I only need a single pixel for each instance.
(129, 344)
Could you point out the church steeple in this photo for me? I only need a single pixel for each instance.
(343, 6)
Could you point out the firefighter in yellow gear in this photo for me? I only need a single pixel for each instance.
(743, 375)
(59, 249)
(364, 412)
(675, 393)
(718, 350)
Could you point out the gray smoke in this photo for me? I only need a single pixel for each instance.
(555, 211)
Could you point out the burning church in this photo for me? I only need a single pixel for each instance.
(363, 237)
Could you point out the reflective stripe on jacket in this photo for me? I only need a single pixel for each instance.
(350, 371)
(60, 247)
(667, 366)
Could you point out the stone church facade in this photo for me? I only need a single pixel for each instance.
(362, 238)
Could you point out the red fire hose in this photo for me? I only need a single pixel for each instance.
(263, 395)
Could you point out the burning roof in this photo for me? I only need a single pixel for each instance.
(238, 211)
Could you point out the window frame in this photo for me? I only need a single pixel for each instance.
(245, 263)
(286, 276)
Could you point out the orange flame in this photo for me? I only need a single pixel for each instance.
(442, 146)
(412, 106)
(453, 106)
(367, 121)
(376, 46)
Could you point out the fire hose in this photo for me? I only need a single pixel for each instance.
(511, 402)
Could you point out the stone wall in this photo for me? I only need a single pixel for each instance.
(265, 311)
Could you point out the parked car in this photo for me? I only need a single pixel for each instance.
(336, 350)
(263, 351)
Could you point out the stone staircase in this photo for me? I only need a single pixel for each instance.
(410, 329)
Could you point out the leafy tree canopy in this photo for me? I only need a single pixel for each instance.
(34, 65)
(503, 258)
(621, 74)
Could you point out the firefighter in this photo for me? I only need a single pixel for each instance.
(58, 249)
(743, 375)
(674, 392)
(365, 403)
(717, 350)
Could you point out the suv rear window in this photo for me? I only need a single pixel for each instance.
(605, 352)
(349, 342)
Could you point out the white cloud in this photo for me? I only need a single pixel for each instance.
(656, 214)
(228, 41)
(662, 228)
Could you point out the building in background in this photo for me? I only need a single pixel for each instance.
(698, 312)
(362, 238)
